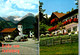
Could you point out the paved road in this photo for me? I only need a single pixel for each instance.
(29, 47)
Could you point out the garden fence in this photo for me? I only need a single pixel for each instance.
(51, 42)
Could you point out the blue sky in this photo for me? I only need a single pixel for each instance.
(18, 7)
(58, 5)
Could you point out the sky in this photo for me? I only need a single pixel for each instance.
(58, 5)
(18, 7)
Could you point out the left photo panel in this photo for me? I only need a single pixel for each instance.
(19, 27)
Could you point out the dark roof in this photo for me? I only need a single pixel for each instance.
(69, 14)
(58, 14)
(8, 30)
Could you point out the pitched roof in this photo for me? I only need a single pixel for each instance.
(70, 14)
(8, 30)
(58, 14)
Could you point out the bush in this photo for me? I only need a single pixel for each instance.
(17, 38)
(74, 35)
(42, 28)
(63, 27)
(42, 35)
(73, 32)
(59, 33)
(1, 38)
(47, 35)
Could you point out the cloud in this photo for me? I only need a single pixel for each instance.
(17, 19)
(75, 1)
(24, 1)
(49, 16)
(6, 7)
(26, 4)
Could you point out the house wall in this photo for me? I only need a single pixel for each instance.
(12, 34)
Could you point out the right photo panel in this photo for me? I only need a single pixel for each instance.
(58, 26)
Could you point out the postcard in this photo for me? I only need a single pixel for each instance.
(58, 27)
(19, 27)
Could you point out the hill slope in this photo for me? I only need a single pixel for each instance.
(28, 22)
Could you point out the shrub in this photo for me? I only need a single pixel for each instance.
(59, 33)
(72, 32)
(47, 35)
(42, 35)
(74, 35)
(1, 38)
(63, 27)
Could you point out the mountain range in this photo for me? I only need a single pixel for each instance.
(11, 18)
(12, 21)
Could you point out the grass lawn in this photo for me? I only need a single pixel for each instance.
(63, 49)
